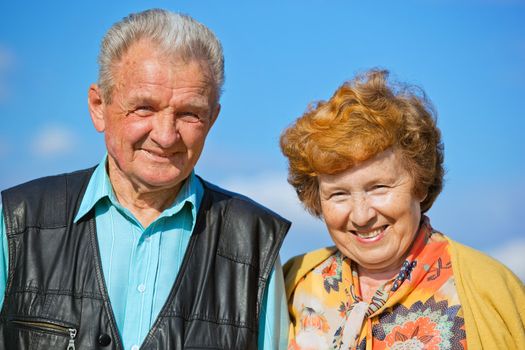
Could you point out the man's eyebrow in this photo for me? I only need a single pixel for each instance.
(141, 96)
(141, 99)
(197, 103)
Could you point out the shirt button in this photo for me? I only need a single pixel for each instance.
(141, 288)
(135, 347)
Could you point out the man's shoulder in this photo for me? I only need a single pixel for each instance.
(243, 205)
(250, 233)
(50, 183)
(44, 202)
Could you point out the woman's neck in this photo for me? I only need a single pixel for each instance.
(371, 280)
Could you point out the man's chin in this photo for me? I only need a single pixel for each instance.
(161, 183)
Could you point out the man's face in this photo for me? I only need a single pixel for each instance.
(156, 123)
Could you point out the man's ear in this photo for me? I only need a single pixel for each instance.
(96, 107)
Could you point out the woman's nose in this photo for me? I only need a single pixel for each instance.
(362, 212)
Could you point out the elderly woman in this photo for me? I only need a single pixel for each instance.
(369, 162)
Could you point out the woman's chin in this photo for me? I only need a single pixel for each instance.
(374, 261)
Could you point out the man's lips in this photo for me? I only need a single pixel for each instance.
(159, 155)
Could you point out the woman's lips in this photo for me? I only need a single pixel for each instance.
(369, 236)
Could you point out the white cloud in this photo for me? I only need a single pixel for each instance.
(476, 213)
(269, 189)
(52, 141)
(512, 254)
(273, 191)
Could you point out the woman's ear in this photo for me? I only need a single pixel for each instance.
(423, 197)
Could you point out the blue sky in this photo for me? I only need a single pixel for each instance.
(281, 55)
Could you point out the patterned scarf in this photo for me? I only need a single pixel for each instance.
(418, 309)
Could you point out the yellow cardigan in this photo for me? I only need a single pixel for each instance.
(491, 296)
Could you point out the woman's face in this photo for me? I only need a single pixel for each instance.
(371, 211)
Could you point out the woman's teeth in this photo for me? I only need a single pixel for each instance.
(370, 234)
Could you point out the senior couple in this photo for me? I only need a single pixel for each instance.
(139, 252)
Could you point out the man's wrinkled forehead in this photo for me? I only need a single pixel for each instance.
(153, 58)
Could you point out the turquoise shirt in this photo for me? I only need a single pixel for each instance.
(141, 264)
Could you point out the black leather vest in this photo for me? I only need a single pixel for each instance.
(56, 295)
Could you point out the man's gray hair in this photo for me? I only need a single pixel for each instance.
(177, 34)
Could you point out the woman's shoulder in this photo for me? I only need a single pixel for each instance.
(478, 264)
(297, 267)
(492, 299)
(479, 276)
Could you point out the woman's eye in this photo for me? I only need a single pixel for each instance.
(379, 188)
(337, 195)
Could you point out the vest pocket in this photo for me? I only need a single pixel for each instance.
(50, 328)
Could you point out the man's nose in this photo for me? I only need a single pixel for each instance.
(164, 130)
(362, 212)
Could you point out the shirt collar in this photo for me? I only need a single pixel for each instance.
(99, 187)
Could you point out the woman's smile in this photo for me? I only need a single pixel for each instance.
(370, 236)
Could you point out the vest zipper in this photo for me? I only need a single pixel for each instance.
(72, 336)
(45, 326)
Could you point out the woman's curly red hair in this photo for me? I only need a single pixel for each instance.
(364, 117)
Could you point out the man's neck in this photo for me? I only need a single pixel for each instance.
(144, 202)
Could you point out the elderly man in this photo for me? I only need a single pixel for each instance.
(139, 252)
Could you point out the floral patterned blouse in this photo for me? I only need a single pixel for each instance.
(418, 309)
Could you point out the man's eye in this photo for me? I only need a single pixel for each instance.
(189, 117)
(143, 111)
